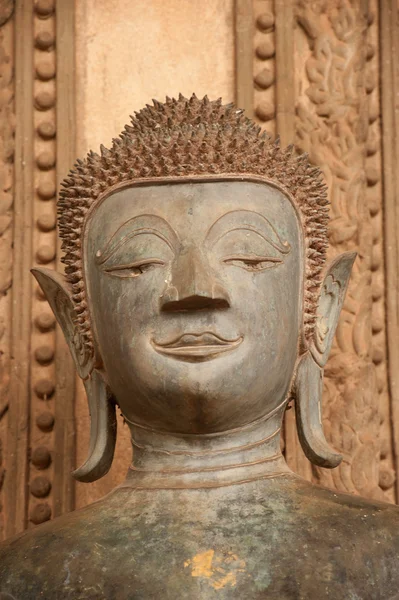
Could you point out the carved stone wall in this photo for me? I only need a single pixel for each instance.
(338, 124)
(36, 463)
(323, 75)
(327, 100)
(375, 202)
(332, 126)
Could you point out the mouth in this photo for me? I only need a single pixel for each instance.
(197, 346)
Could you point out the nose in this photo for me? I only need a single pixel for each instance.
(193, 285)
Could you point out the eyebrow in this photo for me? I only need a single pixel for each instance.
(141, 224)
(246, 220)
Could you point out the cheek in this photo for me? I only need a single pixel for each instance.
(267, 298)
(124, 308)
(267, 307)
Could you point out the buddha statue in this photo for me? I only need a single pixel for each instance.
(196, 299)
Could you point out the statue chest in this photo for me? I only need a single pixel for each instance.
(254, 542)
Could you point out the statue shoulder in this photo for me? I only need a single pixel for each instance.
(41, 558)
(354, 515)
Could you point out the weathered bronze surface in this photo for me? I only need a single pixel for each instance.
(196, 298)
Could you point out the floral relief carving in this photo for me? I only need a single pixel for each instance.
(332, 125)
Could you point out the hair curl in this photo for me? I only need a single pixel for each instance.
(187, 137)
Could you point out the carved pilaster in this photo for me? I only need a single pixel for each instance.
(374, 197)
(389, 65)
(264, 64)
(285, 72)
(16, 457)
(43, 376)
(243, 54)
(40, 449)
(64, 457)
(6, 234)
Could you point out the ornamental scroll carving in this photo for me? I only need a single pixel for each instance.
(332, 126)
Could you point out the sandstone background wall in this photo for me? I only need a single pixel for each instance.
(323, 75)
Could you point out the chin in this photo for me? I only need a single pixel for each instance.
(199, 396)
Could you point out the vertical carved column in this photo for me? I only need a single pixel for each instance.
(16, 457)
(264, 64)
(43, 375)
(389, 24)
(64, 459)
(6, 233)
(332, 126)
(53, 374)
(285, 73)
(243, 54)
(374, 197)
(40, 448)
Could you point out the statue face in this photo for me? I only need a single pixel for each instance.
(195, 294)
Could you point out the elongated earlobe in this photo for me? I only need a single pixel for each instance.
(102, 431)
(102, 409)
(309, 378)
(309, 389)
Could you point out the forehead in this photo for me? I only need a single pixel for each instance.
(192, 208)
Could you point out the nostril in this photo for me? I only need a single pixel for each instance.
(170, 295)
(195, 302)
(219, 293)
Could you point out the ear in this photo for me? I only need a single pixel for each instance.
(332, 296)
(102, 409)
(59, 296)
(309, 378)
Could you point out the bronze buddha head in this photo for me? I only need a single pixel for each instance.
(193, 295)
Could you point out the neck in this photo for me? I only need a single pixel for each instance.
(178, 461)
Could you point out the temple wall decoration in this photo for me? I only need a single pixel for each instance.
(333, 123)
(322, 76)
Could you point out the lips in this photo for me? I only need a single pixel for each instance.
(197, 346)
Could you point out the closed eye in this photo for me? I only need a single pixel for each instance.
(252, 262)
(134, 269)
